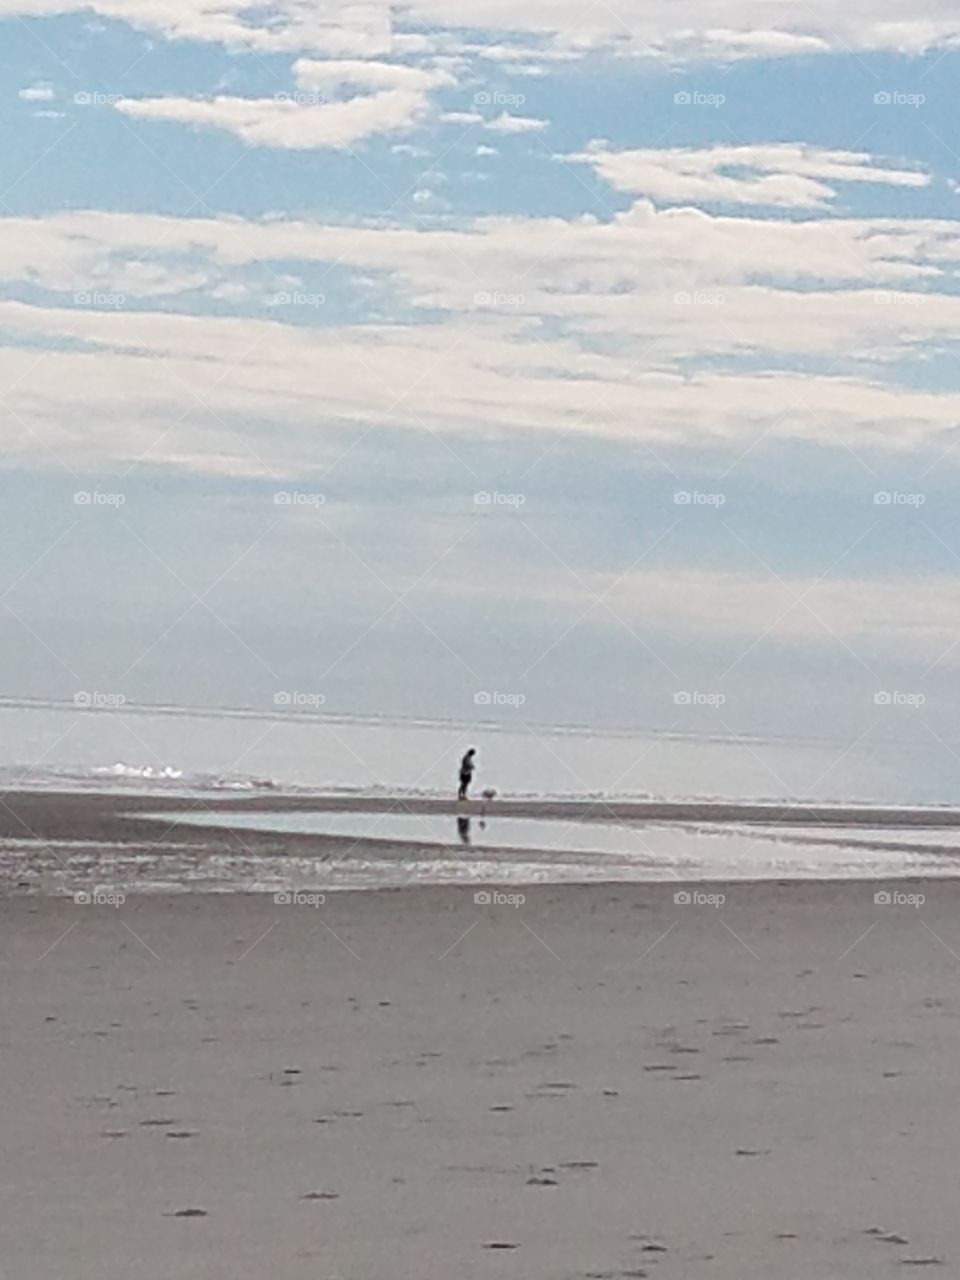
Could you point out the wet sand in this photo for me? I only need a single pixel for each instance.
(599, 1082)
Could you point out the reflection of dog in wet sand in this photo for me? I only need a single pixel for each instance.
(487, 795)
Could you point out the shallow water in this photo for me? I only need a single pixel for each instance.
(450, 850)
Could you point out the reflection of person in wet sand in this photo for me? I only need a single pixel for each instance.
(463, 830)
(467, 766)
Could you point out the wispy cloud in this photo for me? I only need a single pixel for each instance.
(791, 176)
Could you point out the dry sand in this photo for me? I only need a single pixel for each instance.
(597, 1083)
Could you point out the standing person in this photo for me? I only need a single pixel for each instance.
(467, 766)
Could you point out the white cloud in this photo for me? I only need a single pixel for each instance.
(334, 77)
(507, 123)
(503, 123)
(542, 324)
(780, 175)
(676, 30)
(305, 120)
(141, 373)
(36, 93)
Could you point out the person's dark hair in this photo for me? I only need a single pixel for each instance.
(471, 751)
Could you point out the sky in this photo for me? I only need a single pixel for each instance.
(544, 362)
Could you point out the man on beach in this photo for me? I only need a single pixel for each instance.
(467, 765)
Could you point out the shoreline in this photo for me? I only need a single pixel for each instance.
(112, 816)
(58, 844)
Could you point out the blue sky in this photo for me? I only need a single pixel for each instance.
(285, 288)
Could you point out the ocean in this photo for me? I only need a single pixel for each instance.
(192, 750)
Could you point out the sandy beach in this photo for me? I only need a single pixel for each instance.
(595, 1082)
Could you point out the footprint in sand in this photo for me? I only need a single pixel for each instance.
(187, 1213)
(889, 1237)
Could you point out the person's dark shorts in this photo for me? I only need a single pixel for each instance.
(466, 779)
